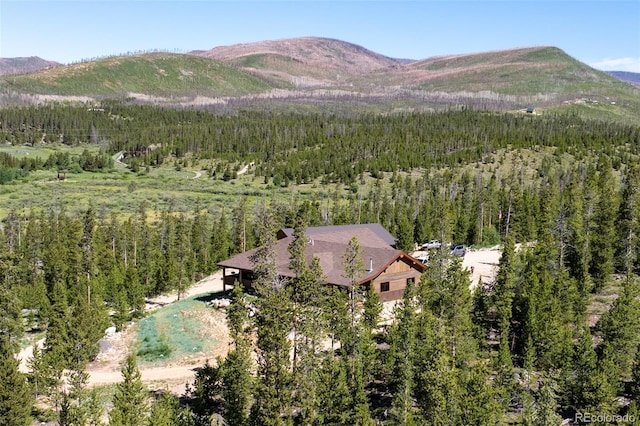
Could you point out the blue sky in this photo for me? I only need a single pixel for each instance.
(604, 34)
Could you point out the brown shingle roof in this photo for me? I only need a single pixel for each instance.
(330, 248)
(368, 234)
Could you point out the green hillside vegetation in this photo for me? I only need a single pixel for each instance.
(155, 74)
(532, 71)
(280, 69)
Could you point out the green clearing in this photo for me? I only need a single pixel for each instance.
(174, 331)
(121, 191)
(44, 151)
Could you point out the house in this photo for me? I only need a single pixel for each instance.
(387, 269)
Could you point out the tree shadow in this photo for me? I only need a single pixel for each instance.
(208, 297)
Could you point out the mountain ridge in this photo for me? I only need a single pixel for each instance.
(626, 76)
(316, 70)
(24, 65)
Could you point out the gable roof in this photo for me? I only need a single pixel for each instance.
(329, 248)
(368, 234)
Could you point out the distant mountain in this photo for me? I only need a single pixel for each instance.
(144, 75)
(629, 77)
(303, 62)
(312, 73)
(9, 66)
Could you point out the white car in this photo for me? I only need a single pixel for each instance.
(433, 244)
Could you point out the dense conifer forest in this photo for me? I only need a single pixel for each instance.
(561, 196)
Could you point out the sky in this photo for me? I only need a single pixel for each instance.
(602, 33)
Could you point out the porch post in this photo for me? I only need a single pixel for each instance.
(224, 280)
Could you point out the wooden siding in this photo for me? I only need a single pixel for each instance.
(396, 275)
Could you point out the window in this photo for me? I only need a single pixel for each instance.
(411, 281)
(384, 287)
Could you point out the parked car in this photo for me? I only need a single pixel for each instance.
(459, 250)
(424, 258)
(433, 244)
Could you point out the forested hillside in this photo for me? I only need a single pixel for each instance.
(555, 335)
(303, 148)
(311, 74)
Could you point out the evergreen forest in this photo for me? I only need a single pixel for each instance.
(555, 336)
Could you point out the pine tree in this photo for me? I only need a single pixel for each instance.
(336, 313)
(237, 385)
(620, 327)
(308, 327)
(357, 343)
(480, 401)
(579, 210)
(404, 231)
(503, 299)
(199, 242)
(605, 383)
(130, 401)
(15, 399)
(604, 236)
(220, 244)
(583, 368)
(122, 313)
(135, 291)
(10, 313)
(449, 300)
(182, 256)
(505, 286)
(334, 396)
(86, 243)
(205, 392)
(437, 386)
(546, 412)
(272, 405)
(240, 241)
(76, 409)
(629, 222)
(403, 345)
(635, 377)
(165, 411)
(235, 371)
(57, 344)
(87, 326)
(237, 314)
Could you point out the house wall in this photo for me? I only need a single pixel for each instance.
(396, 275)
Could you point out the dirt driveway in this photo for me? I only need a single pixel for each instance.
(483, 264)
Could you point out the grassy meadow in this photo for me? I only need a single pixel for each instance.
(120, 191)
